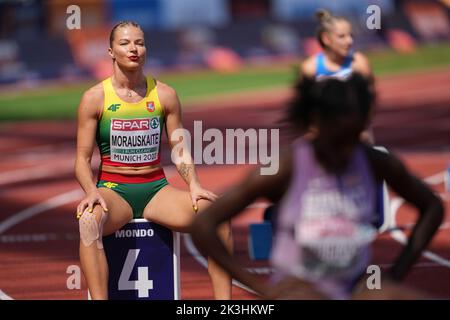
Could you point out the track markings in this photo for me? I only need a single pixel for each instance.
(399, 236)
(77, 194)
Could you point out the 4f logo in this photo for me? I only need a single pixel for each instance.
(110, 185)
(114, 107)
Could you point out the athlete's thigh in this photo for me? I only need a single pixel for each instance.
(119, 211)
(172, 207)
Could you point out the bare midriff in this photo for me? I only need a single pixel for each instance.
(131, 170)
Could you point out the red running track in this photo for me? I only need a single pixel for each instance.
(39, 239)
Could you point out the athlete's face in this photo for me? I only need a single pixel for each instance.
(128, 47)
(340, 38)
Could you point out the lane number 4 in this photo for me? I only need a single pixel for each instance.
(143, 284)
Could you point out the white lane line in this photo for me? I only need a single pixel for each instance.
(45, 148)
(51, 203)
(30, 212)
(435, 179)
(43, 171)
(187, 240)
(4, 296)
(37, 237)
(51, 151)
(400, 237)
(428, 264)
(261, 270)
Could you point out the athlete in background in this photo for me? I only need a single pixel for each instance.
(338, 59)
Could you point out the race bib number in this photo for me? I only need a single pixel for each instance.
(135, 140)
(331, 246)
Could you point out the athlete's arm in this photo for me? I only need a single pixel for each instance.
(413, 190)
(231, 204)
(181, 154)
(308, 68)
(362, 65)
(88, 115)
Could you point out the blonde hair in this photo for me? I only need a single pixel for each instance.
(326, 23)
(120, 25)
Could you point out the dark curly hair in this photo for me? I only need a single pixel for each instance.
(329, 99)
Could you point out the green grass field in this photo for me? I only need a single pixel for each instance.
(60, 102)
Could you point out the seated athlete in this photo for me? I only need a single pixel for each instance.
(125, 114)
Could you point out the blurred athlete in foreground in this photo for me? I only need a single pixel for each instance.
(326, 189)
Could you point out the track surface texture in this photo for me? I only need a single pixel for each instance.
(38, 191)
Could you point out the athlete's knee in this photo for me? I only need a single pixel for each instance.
(91, 226)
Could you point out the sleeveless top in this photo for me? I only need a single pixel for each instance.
(129, 133)
(343, 73)
(324, 227)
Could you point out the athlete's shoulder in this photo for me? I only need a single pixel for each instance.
(308, 67)
(165, 89)
(94, 94)
(383, 164)
(361, 64)
(168, 98)
(167, 95)
(92, 102)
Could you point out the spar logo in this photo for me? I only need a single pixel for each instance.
(150, 106)
(130, 124)
(154, 123)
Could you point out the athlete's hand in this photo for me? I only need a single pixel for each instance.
(197, 193)
(89, 202)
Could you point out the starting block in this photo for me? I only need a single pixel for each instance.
(143, 260)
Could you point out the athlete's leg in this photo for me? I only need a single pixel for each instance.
(92, 227)
(172, 208)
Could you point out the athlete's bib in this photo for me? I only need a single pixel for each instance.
(129, 133)
(134, 140)
(328, 233)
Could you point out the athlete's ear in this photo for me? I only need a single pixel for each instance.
(110, 51)
(325, 36)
